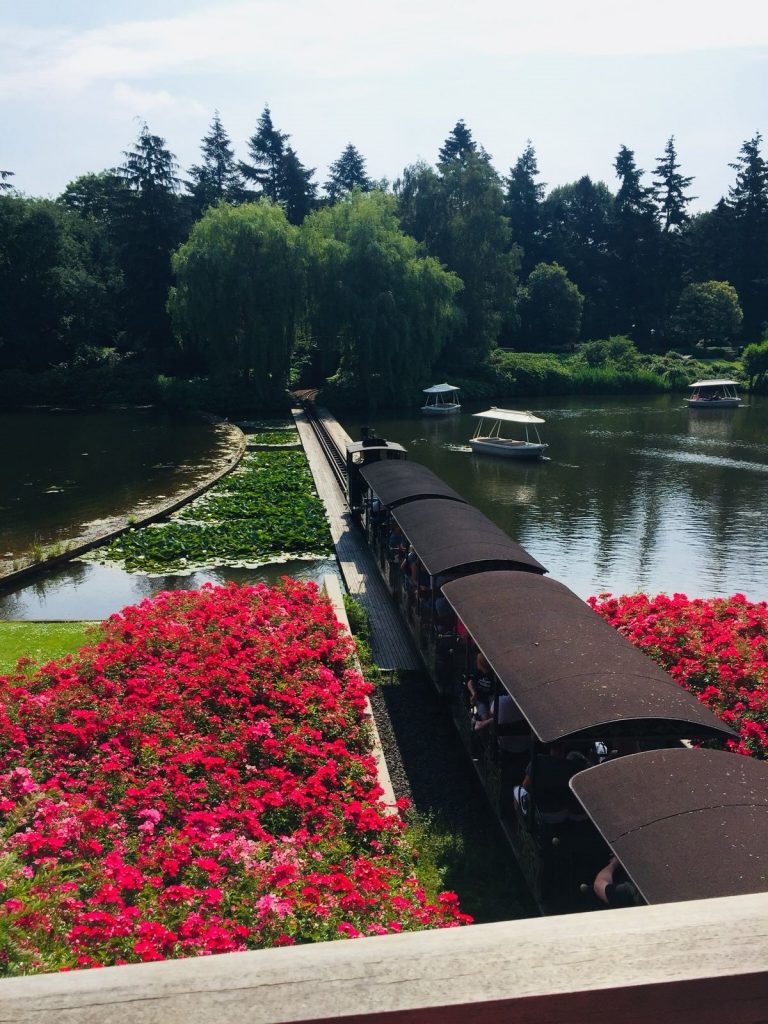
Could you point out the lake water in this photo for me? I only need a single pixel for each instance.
(62, 471)
(635, 494)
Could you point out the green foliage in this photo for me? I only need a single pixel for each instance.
(754, 359)
(266, 508)
(237, 287)
(618, 352)
(550, 308)
(218, 177)
(346, 174)
(376, 303)
(707, 312)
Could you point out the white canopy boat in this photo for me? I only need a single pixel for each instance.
(490, 441)
(714, 394)
(442, 399)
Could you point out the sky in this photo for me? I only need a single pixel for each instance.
(579, 78)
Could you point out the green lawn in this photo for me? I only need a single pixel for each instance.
(40, 640)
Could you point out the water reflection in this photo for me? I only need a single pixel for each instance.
(88, 590)
(67, 470)
(638, 493)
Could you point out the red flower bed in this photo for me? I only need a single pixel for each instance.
(717, 648)
(199, 781)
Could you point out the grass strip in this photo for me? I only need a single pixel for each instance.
(41, 641)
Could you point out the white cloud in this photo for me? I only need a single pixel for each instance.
(354, 38)
(144, 101)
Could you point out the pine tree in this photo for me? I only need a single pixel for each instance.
(458, 146)
(522, 204)
(635, 243)
(346, 174)
(669, 189)
(277, 170)
(267, 149)
(5, 186)
(748, 202)
(149, 225)
(297, 193)
(218, 176)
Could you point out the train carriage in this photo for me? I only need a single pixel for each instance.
(685, 824)
(582, 694)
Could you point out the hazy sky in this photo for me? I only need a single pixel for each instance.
(77, 78)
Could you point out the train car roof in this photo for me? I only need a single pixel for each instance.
(686, 824)
(450, 536)
(396, 481)
(567, 669)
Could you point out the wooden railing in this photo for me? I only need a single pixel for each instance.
(703, 962)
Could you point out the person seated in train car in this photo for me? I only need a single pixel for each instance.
(613, 886)
(545, 786)
(480, 689)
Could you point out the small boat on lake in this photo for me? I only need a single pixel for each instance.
(488, 438)
(714, 394)
(442, 400)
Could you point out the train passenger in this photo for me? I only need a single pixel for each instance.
(480, 687)
(547, 777)
(613, 885)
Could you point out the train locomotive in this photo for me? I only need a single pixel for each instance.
(588, 751)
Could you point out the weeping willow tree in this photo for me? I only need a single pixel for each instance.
(237, 285)
(379, 309)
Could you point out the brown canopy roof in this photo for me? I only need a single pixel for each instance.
(566, 668)
(450, 536)
(686, 824)
(397, 481)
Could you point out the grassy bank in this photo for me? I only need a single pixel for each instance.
(41, 641)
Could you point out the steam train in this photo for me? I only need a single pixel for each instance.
(591, 755)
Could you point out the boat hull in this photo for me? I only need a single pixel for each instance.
(507, 448)
(714, 403)
(440, 410)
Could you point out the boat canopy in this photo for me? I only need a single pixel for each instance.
(449, 536)
(396, 481)
(508, 416)
(569, 671)
(440, 389)
(361, 446)
(686, 824)
(715, 384)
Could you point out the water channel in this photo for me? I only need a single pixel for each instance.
(635, 493)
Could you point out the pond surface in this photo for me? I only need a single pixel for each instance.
(637, 493)
(65, 471)
(88, 590)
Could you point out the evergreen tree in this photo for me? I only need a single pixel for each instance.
(458, 146)
(577, 229)
(635, 243)
(277, 171)
(522, 205)
(347, 173)
(458, 213)
(669, 189)
(5, 185)
(150, 226)
(218, 176)
(297, 192)
(748, 202)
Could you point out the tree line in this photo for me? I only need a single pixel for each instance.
(246, 267)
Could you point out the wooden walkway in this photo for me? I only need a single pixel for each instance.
(391, 642)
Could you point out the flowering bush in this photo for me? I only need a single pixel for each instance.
(717, 648)
(198, 781)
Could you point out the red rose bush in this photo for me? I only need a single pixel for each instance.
(716, 648)
(198, 781)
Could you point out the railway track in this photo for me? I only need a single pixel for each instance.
(331, 450)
